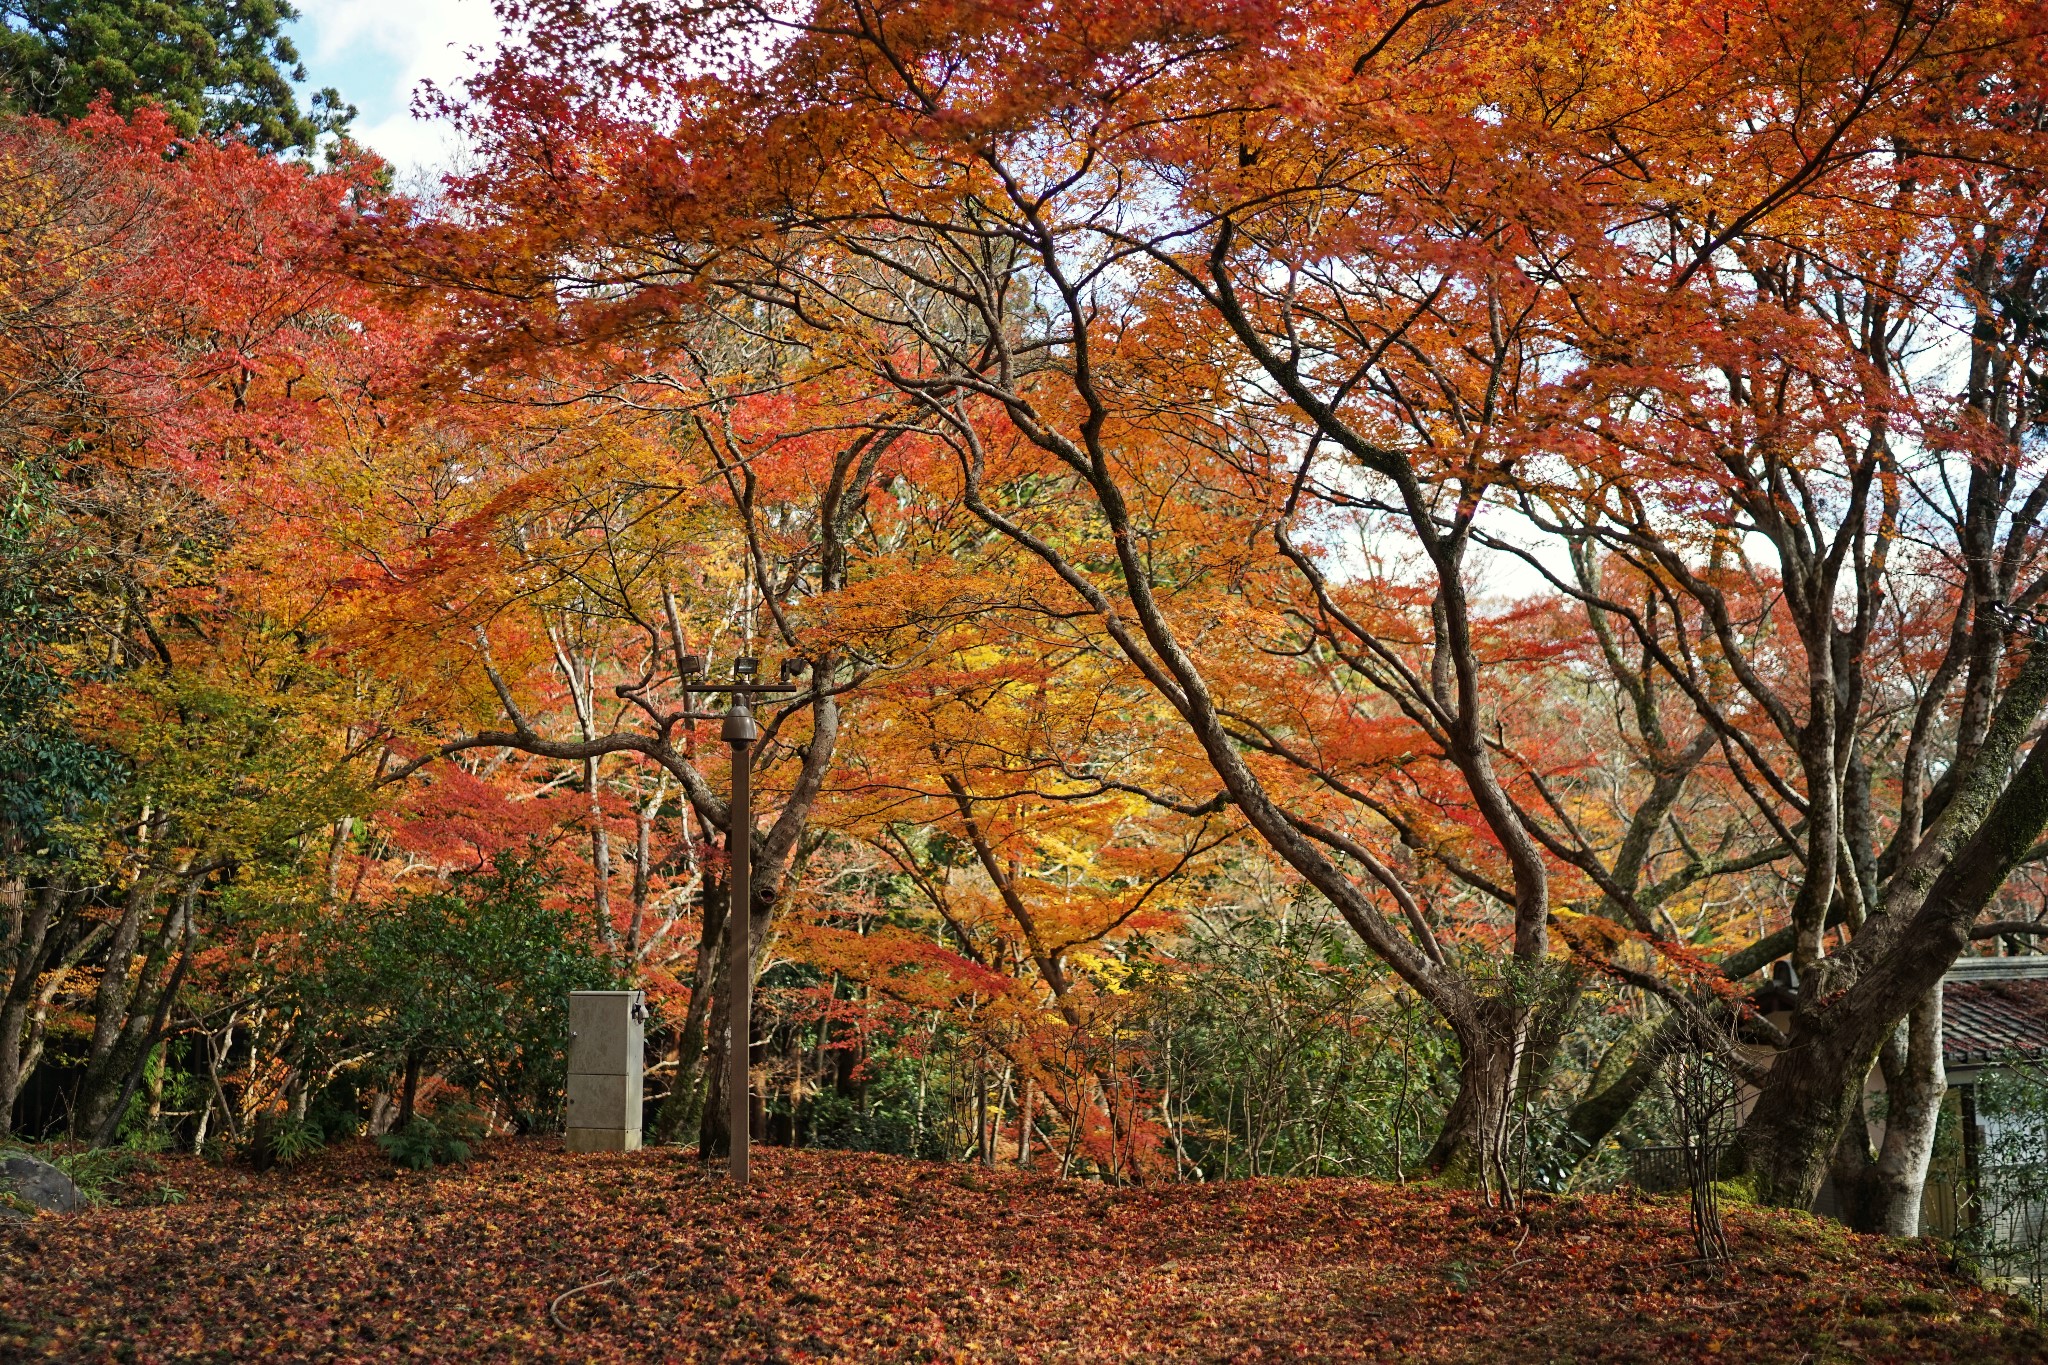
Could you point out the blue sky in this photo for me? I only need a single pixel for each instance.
(376, 52)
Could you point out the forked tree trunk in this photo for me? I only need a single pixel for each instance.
(1835, 1038)
(110, 1009)
(21, 971)
(123, 1038)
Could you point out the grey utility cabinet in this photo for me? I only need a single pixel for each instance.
(606, 1034)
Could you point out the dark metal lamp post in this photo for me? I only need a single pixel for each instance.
(738, 730)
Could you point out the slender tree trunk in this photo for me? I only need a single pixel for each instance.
(679, 1111)
(600, 854)
(1915, 1089)
(129, 1008)
(845, 1063)
(794, 1053)
(28, 941)
(217, 1046)
(714, 1129)
(337, 854)
(155, 1063)
(1973, 1155)
(983, 1147)
(409, 1088)
(643, 831)
(1853, 1165)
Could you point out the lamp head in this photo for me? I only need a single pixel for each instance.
(793, 667)
(746, 667)
(739, 727)
(692, 665)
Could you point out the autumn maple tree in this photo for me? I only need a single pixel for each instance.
(1187, 290)
(170, 336)
(1470, 530)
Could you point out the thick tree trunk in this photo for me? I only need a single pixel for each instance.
(1557, 1011)
(681, 1108)
(1813, 1088)
(1473, 1146)
(13, 1041)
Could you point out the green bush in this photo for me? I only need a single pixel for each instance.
(2007, 1230)
(892, 1117)
(288, 1141)
(471, 980)
(448, 1137)
(421, 1145)
(1284, 1049)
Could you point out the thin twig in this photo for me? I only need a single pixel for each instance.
(568, 1294)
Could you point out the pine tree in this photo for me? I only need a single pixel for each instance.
(220, 67)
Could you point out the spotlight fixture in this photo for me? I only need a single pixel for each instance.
(692, 665)
(746, 667)
(793, 667)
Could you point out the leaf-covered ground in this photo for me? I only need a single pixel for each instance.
(834, 1256)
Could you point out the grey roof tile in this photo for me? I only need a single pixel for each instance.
(1985, 1021)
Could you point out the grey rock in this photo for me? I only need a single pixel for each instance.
(41, 1184)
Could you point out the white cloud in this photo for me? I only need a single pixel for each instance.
(377, 53)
